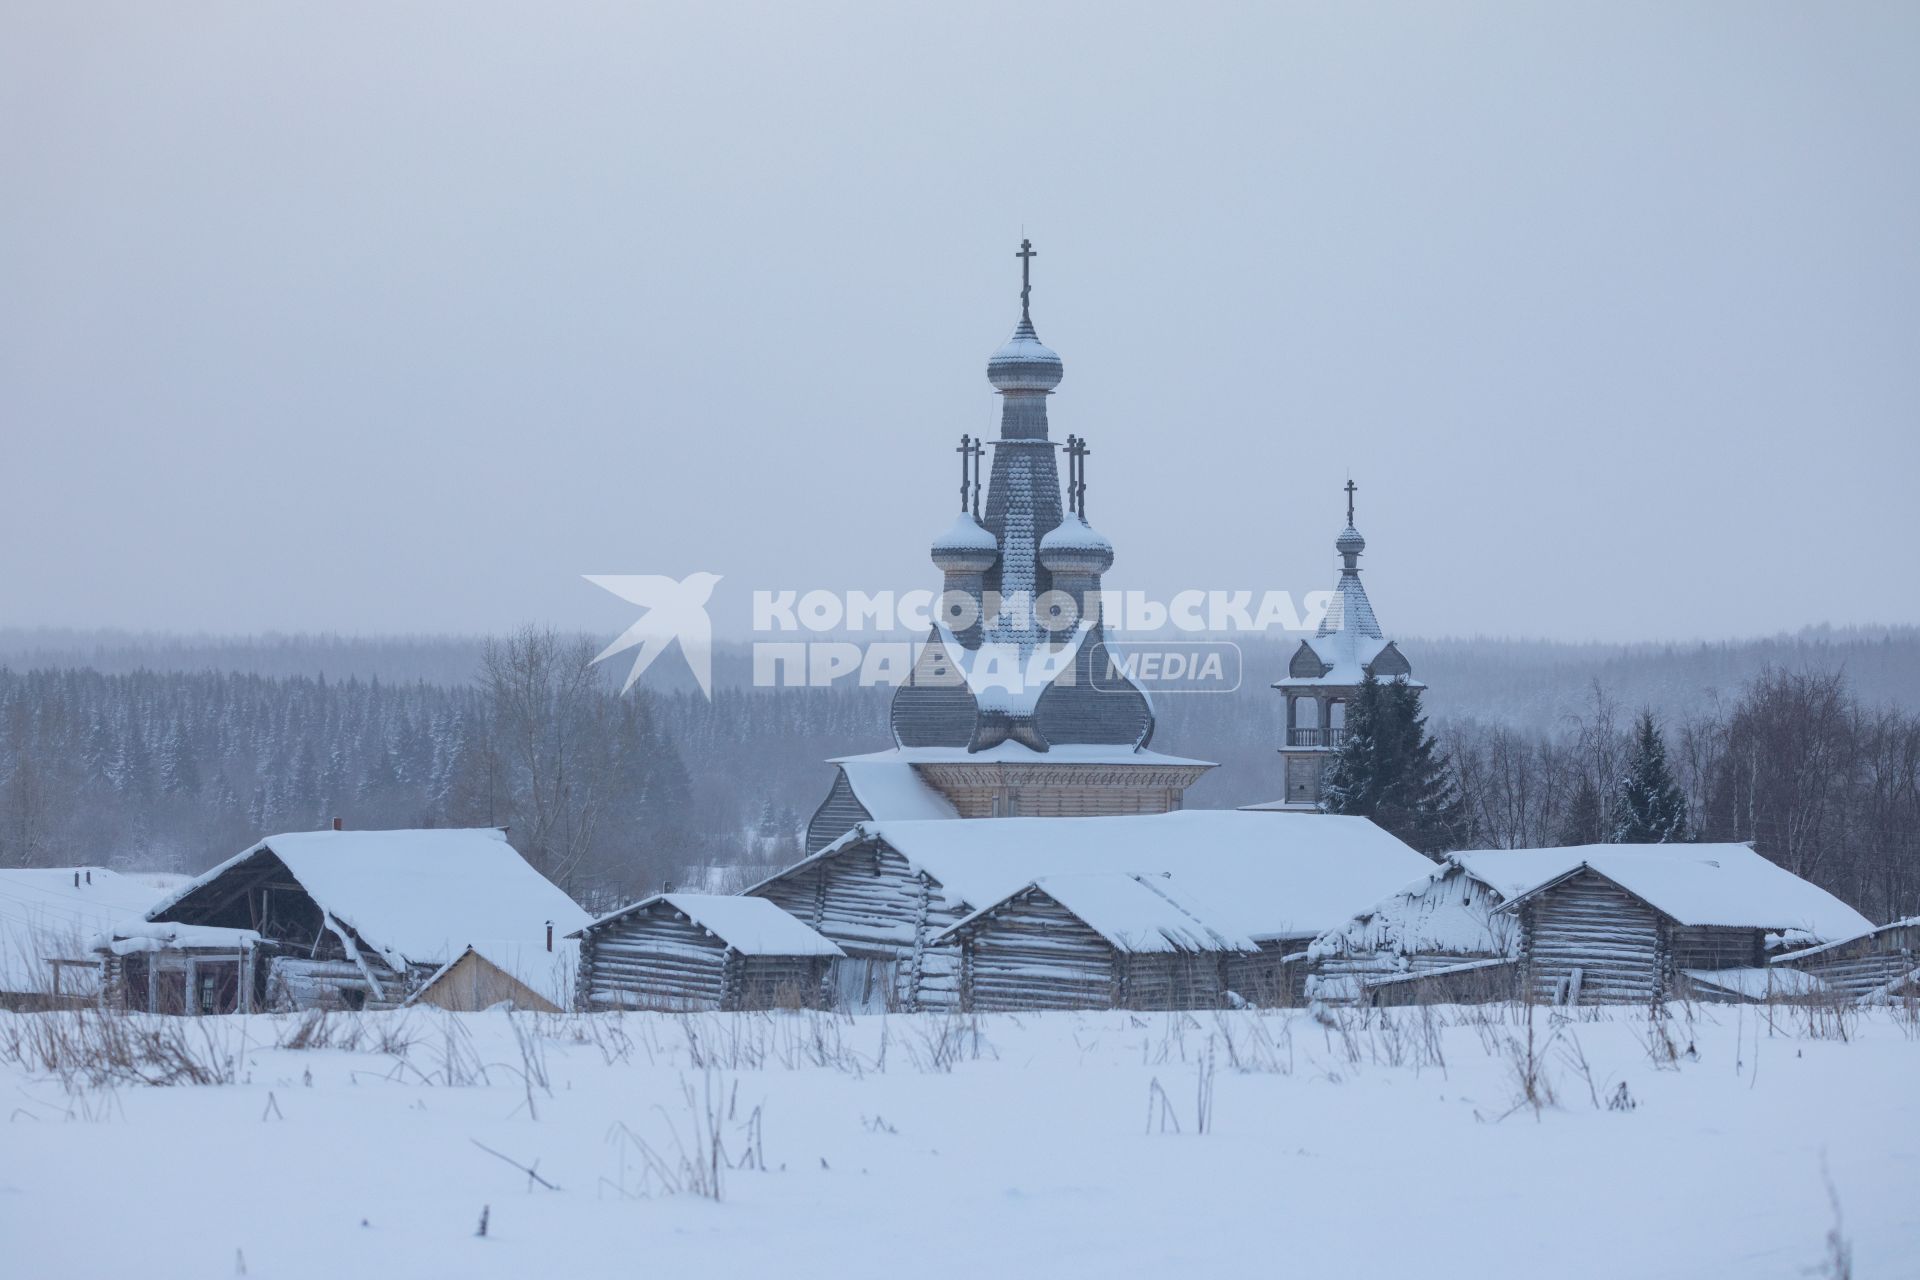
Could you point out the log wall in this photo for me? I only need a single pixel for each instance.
(1588, 941)
(652, 960)
(1033, 954)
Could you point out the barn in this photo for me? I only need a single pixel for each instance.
(1640, 923)
(702, 951)
(1101, 940)
(1881, 963)
(886, 892)
(360, 919)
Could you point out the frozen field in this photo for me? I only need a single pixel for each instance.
(1054, 1145)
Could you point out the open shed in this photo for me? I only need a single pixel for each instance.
(49, 919)
(1880, 963)
(702, 951)
(361, 919)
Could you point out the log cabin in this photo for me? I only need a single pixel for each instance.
(1105, 940)
(887, 893)
(699, 951)
(1636, 924)
(362, 919)
(1882, 963)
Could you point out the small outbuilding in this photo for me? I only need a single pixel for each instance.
(1881, 963)
(697, 951)
(493, 975)
(1095, 941)
(179, 968)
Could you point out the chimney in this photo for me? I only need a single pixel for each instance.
(338, 825)
(549, 935)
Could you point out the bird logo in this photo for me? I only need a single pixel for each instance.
(674, 611)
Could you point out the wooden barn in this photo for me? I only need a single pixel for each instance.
(50, 918)
(1441, 939)
(695, 951)
(1102, 940)
(1882, 963)
(362, 919)
(1639, 923)
(180, 968)
(887, 893)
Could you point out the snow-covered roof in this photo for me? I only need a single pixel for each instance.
(134, 936)
(1010, 752)
(1347, 655)
(893, 789)
(45, 916)
(1724, 885)
(1447, 912)
(1911, 922)
(1761, 984)
(1135, 913)
(1263, 876)
(415, 896)
(751, 926)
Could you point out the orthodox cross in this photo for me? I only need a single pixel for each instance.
(1351, 486)
(1026, 256)
(1077, 475)
(966, 454)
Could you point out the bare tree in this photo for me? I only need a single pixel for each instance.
(550, 726)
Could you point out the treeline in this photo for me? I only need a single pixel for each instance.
(1817, 779)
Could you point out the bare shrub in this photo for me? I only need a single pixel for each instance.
(695, 1158)
(94, 1048)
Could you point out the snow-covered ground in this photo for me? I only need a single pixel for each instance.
(1058, 1145)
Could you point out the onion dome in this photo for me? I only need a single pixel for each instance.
(966, 547)
(1025, 363)
(1350, 543)
(1074, 546)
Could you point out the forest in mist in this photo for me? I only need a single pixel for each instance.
(174, 752)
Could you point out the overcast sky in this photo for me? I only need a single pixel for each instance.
(403, 317)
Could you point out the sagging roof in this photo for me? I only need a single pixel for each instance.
(1133, 913)
(1719, 885)
(415, 896)
(751, 926)
(1910, 922)
(1267, 876)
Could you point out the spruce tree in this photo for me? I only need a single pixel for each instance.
(1649, 808)
(1392, 770)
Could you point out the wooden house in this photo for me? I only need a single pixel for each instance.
(1881, 963)
(1103, 940)
(49, 920)
(362, 919)
(887, 893)
(1640, 923)
(702, 951)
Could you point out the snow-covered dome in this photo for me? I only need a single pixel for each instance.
(966, 547)
(1350, 543)
(1025, 363)
(1076, 546)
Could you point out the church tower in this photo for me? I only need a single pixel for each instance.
(1009, 709)
(1327, 671)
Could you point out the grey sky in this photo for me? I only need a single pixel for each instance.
(379, 318)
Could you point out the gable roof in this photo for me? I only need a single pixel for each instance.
(751, 926)
(1720, 885)
(44, 915)
(548, 974)
(415, 896)
(1263, 875)
(1133, 913)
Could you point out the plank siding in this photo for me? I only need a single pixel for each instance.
(1866, 964)
(1589, 929)
(652, 960)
